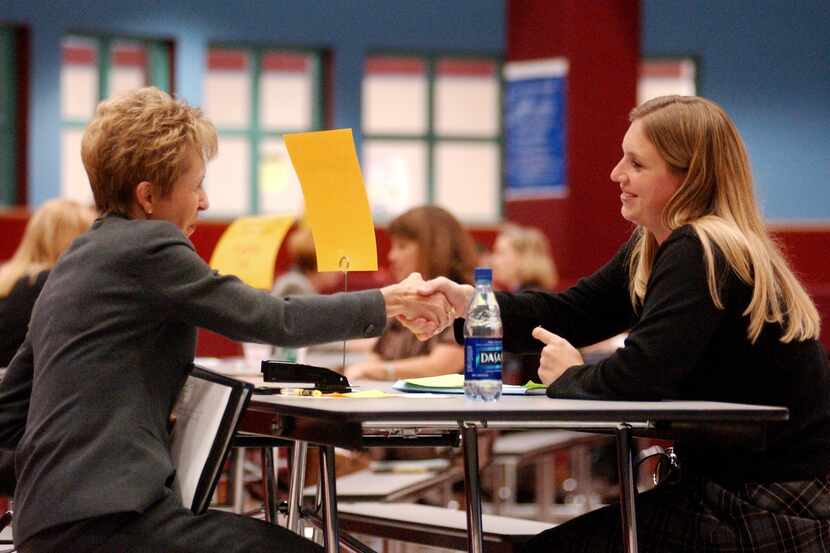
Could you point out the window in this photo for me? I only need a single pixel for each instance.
(432, 134)
(93, 69)
(8, 117)
(663, 76)
(254, 96)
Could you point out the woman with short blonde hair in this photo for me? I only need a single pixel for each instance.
(86, 400)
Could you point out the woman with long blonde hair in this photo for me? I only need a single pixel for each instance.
(48, 233)
(715, 313)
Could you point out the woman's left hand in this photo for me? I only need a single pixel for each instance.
(369, 370)
(557, 355)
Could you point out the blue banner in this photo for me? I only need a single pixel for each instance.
(534, 121)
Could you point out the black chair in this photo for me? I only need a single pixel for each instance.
(217, 402)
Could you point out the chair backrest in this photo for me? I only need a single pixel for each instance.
(206, 417)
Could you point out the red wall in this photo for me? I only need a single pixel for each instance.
(601, 43)
(807, 248)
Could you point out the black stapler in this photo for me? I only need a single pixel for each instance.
(284, 375)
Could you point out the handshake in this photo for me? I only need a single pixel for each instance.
(426, 307)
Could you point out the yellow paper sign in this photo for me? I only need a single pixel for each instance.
(335, 199)
(248, 249)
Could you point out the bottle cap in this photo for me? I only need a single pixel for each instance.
(483, 274)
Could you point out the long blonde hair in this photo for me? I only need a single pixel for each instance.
(48, 233)
(698, 140)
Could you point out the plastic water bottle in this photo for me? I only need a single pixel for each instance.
(483, 341)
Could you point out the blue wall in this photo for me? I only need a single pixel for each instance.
(767, 63)
(349, 28)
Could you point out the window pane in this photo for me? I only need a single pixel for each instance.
(227, 181)
(395, 174)
(286, 91)
(663, 77)
(466, 98)
(79, 78)
(279, 188)
(227, 92)
(467, 177)
(395, 96)
(75, 184)
(128, 69)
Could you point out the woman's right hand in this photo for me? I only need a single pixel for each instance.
(404, 301)
(457, 295)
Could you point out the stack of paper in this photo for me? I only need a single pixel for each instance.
(454, 384)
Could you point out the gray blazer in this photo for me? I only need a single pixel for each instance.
(86, 400)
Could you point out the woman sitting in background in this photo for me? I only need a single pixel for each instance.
(303, 277)
(522, 259)
(48, 233)
(430, 241)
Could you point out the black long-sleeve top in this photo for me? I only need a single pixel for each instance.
(15, 311)
(681, 346)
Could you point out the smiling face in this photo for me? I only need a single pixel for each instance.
(646, 182)
(403, 257)
(186, 198)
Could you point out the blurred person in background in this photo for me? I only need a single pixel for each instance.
(50, 230)
(428, 240)
(522, 259)
(302, 276)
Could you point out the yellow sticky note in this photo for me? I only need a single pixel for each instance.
(248, 249)
(336, 205)
(366, 394)
(454, 380)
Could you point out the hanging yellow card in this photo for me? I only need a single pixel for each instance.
(337, 208)
(248, 249)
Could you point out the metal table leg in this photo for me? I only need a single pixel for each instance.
(239, 481)
(625, 466)
(331, 532)
(472, 485)
(270, 484)
(296, 485)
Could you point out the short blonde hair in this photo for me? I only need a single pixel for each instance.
(144, 135)
(699, 141)
(536, 267)
(48, 233)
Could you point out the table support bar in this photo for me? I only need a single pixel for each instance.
(472, 485)
(331, 530)
(270, 483)
(625, 462)
(295, 489)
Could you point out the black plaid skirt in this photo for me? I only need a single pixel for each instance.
(698, 515)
